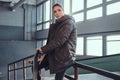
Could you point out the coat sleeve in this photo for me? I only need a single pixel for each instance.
(61, 37)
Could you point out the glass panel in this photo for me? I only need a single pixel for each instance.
(67, 6)
(39, 44)
(46, 25)
(39, 14)
(39, 27)
(109, 0)
(44, 42)
(113, 44)
(91, 3)
(113, 8)
(94, 13)
(78, 17)
(47, 11)
(113, 47)
(92, 48)
(77, 5)
(115, 37)
(79, 47)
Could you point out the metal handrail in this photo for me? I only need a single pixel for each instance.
(24, 67)
(76, 66)
(95, 70)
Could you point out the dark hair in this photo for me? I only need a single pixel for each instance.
(57, 5)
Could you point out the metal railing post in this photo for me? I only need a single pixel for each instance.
(8, 72)
(14, 71)
(24, 74)
(75, 73)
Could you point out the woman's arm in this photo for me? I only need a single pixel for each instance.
(61, 37)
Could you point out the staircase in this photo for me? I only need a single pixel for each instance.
(93, 75)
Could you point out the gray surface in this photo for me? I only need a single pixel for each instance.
(11, 33)
(8, 17)
(14, 50)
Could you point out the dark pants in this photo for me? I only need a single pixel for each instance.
(44, 64)
(59, 75)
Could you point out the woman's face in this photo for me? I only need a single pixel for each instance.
(58, 12)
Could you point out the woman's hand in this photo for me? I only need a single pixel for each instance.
(38, 49)
(41, 59)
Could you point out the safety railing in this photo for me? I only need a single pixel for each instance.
(12, 67)
(76, 66)
(93, 69)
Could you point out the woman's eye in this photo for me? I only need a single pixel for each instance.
(55, 11)
(59, 10)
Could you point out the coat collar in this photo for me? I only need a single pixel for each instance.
(63, 18)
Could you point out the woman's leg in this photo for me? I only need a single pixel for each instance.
(43, 64)
(60, 75)
(38, 75)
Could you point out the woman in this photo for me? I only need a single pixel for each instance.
(59, 52)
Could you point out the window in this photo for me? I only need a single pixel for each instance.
(47, 11)
(67, 6)
(44, 42)
(39, 44)
(39, 14)
(43, 20)
(91, 3)
(79, 47)
(113, 44)
(77, 5)
(109, 0)
(94, 46)
(39, 27)
(78, 17)
(94, 13)
(91, 8)
(113, 8)
(46, 25)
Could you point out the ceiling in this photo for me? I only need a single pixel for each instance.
(31, 2)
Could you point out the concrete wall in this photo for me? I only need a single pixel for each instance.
(11, 33)
(11, 18)
(21, 21)
(16, 35)
(11, 24)
(103, 24)
(14, 50)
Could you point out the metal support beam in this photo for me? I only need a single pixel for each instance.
(17, 5)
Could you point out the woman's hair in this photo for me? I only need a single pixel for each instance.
(56, 5)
